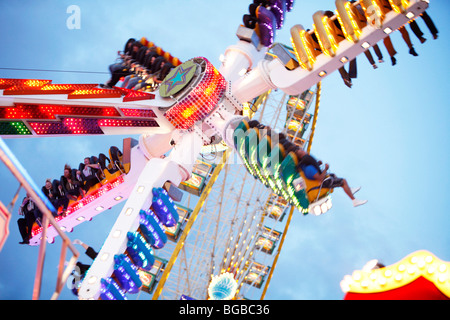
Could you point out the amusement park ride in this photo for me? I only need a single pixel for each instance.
(198, 109)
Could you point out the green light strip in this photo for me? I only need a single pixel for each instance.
(13, 128)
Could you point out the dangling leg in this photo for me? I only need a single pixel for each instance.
(350, 192)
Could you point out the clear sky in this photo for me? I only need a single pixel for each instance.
(389, 134)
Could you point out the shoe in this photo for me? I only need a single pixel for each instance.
(381, 61)
(355, 190)
(357, 202)
(422, 40)
(394, 61)
(375, 66)
(435, 36)
(348, 83)
(413, 52)
(25, 242)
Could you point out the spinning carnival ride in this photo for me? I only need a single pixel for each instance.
(236, 207)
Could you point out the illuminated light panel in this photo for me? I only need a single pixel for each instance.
(72, 209)
(200, 101)
(410, 15)
(82, 126)
(141, 113)
(126, 273)
(127, 123)
(134, 95)
(164, 207)
(95, 93)
(152, 229)
(140, 251)
(41, 128)
(47, 89)
(86, 125)
(110, 290)
(13, 128)
(25, 83)
(49, 111)
(366, 45)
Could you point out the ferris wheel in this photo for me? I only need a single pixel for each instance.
(233, 215)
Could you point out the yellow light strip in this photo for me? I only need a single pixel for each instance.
(274, 264)
(189, 225)
(316, 112)
(420, 263)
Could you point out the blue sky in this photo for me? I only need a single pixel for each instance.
(389, 134)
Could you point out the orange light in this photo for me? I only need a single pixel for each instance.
(95, 93)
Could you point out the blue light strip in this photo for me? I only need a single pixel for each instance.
(152, 229)
(110, 290)
(140, 251)
(127, 274)
(164, 207)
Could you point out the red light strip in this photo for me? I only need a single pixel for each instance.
(73, 208)
(24, 83)
(49, 111)
(126, 123)
(82, 126)
(141, 113)
(48, 89)
(85, 125)
(134, 95)
(95, 93)
(200, 101)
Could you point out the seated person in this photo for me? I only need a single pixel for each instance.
(123, 56)
(30, 213)
(125, 68)
(88, 172)
(134, 78)
(72, 187)
(311, 168)
(167, 66)
(151, 81)
(49, 190)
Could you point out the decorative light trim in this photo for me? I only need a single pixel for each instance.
(418, 264)
(200, 101)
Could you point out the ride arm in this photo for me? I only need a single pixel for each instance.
(271, 72)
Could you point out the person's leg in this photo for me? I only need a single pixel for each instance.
(370, 58)
(353, 70)
(378, 52)
(349, 192)
(406, 37)
(416, 29)
(430, 24)
(22, 224)
(391, 50)
(347, 189)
